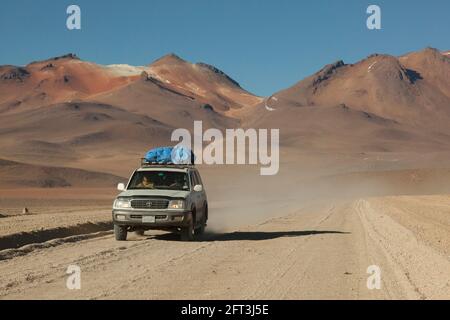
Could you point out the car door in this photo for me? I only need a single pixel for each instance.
(202, 194)
(195, 196)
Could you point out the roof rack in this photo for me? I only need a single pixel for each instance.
(147, 164)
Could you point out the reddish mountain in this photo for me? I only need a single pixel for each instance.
(381, 103)
(67, 78)
(203, 81)
(68, 112)
(411, 89)
(60, 79)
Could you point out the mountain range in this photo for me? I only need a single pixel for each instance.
(68, 113)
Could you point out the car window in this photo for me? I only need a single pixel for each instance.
(168, 180)
(197, 175)
(193, 180)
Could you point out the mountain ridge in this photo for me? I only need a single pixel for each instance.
(67, 112)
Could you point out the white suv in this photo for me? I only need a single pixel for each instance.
(164, 197)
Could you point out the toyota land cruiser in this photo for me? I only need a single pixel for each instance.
(164, 197)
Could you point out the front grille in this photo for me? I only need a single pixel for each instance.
(149, 204)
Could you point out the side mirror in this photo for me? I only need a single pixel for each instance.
(121, 187)
(198, 188)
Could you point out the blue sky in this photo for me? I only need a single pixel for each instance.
(265, 45)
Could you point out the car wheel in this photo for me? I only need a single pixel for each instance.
(187, 232)
(201, 229)
(120, 233)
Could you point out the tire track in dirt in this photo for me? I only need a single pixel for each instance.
(420, 271)
(95, 263)
(17, 240)
(290, 260)
(13, 253)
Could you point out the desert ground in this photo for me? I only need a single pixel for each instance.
(307, 237)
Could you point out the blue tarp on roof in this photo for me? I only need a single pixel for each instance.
(168, 155)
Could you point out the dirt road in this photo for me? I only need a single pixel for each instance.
(317, 252)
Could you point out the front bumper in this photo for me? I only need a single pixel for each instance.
(162, 218)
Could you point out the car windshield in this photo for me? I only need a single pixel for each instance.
(169, 180)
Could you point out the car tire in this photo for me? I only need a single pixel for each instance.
(187, 232)
(201, 229)
(120, 233)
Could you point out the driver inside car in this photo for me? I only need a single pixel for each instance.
(146, 183)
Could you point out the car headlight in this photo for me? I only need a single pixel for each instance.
(176, 204)
(122, 204)
(121, 217)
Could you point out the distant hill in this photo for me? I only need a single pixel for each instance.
(14, 174)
